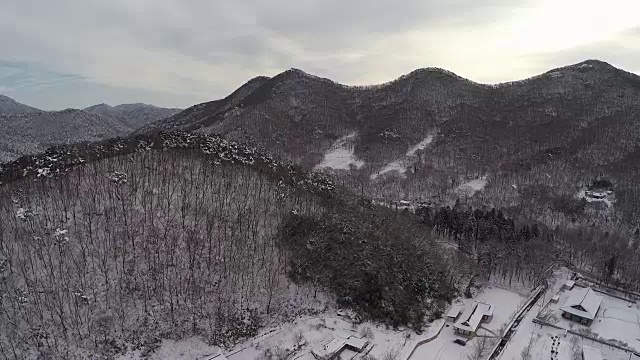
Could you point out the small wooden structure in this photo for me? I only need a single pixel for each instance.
(454, 312)
(343, 347)
(568, 285)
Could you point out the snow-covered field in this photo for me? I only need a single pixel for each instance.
(543, 339)
(341, 155)
(443, 348)
(471, 187)
(401, 165)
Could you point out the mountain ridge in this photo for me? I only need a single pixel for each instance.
(9, 105)
(581, 118)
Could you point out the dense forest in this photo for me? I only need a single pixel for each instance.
(111, 246)
(522, 250)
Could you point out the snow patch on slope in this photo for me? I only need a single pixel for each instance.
(420, 146)
(400, 166)
(341, 155)
(473, 186)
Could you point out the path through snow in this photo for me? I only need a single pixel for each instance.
(473, 186)
(400, 166)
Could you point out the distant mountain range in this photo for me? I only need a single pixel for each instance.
(27, 130)
(430, 132)
(134, 115)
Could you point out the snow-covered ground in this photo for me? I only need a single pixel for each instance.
(617, 319)
(187, 349)
(301, 336)
(401, 165)
(341, 155)
(544, 339)
(443, 348)
(398, 166)
(295, 340)
(471, 187)
(420, 146)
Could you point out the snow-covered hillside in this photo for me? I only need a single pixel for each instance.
(341, 155)
(10, 106)
(27, 130)
(134, 115)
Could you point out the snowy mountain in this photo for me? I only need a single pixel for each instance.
(27, 130)
(10, 106)
(36, 131)
(135, 115)
(551, 134)
(300, 116)
(113, 246)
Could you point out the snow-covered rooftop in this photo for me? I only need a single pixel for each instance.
(340, 343)
(584, 303)
(471, 322)
(330, 349)
(454, 311)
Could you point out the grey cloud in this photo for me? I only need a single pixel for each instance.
(203, 49)
(15, 75)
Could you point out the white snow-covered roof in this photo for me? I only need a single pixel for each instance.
(454, 311)
(356, 343)
(470, 322)
(337, 345)
(591, 353)
(331, 348)
(570, 284)
(489, 312)
(583, 302)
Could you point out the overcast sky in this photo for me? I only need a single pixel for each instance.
(74, 53)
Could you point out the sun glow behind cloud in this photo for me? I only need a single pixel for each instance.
(552, 25)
